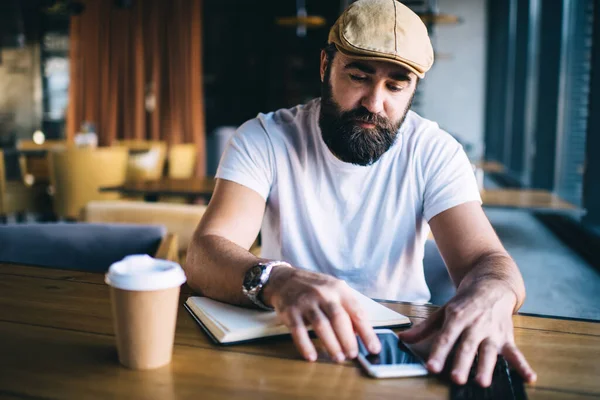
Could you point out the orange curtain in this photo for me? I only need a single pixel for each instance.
(136, 73)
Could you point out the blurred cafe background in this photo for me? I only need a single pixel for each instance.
(117, 111)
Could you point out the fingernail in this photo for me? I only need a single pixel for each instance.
(457, 378)
(340, 357)
(434, 365)
(374, 347)
(532, 377)
(352, 354)
(312, 357)
(482, 381)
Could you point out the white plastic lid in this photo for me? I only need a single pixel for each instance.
(144, 273)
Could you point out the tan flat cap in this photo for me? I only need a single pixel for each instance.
(383, 30)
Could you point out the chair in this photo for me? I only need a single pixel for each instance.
(77, 174)
(16, 197)
(34, 168)
(436, 275)
(79, 246)
(146, 159)
(179, 219)
(181, 165)
(182, 160)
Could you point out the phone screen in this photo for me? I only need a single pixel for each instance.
(393, 351)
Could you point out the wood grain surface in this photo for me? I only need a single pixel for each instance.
(524, 199)
(490, 166)
(56, 341)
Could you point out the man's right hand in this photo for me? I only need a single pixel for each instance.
(303, 298)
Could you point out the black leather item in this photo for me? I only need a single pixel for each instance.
(506, 385)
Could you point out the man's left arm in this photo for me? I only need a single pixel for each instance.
(478, 319)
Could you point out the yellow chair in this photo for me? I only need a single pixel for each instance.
(181, 165)
(179, 219)
(77, 174)
(146, 159)
(17, 197)
(182, 160)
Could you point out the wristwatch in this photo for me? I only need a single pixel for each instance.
(256, 278)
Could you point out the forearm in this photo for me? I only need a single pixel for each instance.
(215, 267)
(496, 267)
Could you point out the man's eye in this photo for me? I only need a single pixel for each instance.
(358, 78)
(393, 88)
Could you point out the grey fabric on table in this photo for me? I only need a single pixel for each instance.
(78, 246)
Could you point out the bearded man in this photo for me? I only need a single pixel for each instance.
(344, 190)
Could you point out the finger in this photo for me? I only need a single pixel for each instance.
(293, 320)
(517, 360)
(342, 326)
(454, 324)
(488, 354)
(322, 328)
(423, 329)
(362, 326)
(465, 354)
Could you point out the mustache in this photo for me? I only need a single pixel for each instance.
(361, 114)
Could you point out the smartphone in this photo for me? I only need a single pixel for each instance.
(396, 360)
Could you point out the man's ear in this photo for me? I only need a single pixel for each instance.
(324, 62)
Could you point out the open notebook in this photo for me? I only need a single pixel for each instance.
(227, 324)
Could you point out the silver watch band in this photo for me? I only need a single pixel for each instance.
(254, 293)
(257, 302)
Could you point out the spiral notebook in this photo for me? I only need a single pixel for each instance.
(228, 324)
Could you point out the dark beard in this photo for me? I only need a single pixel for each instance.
(347, 140)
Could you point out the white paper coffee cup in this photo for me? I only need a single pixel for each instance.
(144, 297)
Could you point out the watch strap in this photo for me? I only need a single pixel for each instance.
(257, 300)
(256, 295)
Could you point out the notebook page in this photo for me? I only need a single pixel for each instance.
(232, 318)
(377, 313)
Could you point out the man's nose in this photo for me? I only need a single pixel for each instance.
(373, 100)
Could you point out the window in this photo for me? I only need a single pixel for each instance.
(574, 89)
(591, 188)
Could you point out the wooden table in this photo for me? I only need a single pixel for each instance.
(190, 188)
(530, 199)
(193, 188)
(56, 340)
(490, 166)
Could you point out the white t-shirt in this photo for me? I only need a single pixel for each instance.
(366, 225)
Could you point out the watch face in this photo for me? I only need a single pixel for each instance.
(252, 278)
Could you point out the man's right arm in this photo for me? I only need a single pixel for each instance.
(218, 255)
(218, 258)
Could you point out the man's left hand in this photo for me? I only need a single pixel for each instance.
(477, 320)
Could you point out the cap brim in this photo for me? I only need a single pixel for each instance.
(409, 67)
